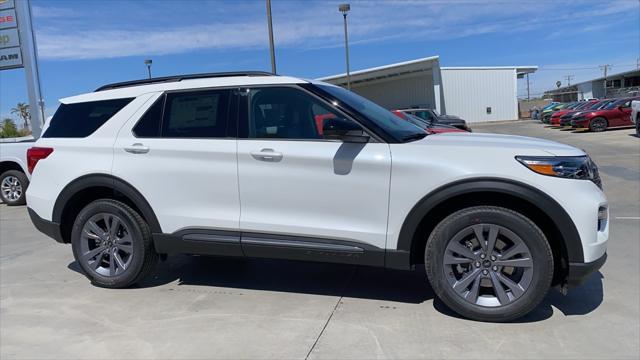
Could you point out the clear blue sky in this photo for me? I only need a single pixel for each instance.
(84, 44)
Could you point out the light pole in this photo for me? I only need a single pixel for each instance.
(271, 47)
(344, 9)
(148, 62)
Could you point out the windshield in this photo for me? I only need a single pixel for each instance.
(418, 121)
(385, 119)
(613, 104)
(583, 105)
(595, 105)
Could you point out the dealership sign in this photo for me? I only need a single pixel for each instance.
(18, 50)
(10, 51)
(7, 4)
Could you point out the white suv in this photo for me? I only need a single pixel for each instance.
(249, 164)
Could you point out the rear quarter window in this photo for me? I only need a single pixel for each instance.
(80, 120)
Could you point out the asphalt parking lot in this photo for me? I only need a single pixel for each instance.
(198, 307)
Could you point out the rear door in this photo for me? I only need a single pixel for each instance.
(302, 195)
(182, 159)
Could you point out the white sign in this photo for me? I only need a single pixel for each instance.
(10, 58)
(7, 4)
(8, 19)
(9, 38)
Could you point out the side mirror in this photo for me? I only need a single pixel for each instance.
(345, 130)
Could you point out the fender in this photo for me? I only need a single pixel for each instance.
(109, 181)
(542, 201)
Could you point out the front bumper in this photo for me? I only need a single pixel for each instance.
(580, 123)
(49, 228)
(580, 272)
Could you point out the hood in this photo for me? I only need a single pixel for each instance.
(521, 145)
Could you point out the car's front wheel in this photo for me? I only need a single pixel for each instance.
(112, 244)
(598, 124)
(489, 263)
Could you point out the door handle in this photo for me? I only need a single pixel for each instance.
(267, 155)
(137, 148)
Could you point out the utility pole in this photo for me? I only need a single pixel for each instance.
(605, 68)
(528, 97)
(271, 46)
(569, 77)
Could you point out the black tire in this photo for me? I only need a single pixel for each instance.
(528, 233)
(638, 127)
(22, 185)
(598, 124)
(143, 256)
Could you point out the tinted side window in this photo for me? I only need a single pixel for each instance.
(196, 114)
(285, 113)
(82, 119)
(149, 124)
(425, 115)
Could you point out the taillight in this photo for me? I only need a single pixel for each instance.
(36, 154)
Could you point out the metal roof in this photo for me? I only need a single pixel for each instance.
(414, 66)
(520, 70)
(386, 71)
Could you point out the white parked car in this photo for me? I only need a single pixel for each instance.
(248, 164)
(14, 174)
(635, 115)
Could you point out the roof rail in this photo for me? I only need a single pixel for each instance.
(176, 78)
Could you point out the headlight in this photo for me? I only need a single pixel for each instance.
(568, 167)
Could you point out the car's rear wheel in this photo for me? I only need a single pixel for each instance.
(598, 124)
(638, 127)
(489, 263)
(13, 187)
(112, 244)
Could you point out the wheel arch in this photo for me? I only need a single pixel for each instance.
(6, 165)
(533, 203)
(88, 188)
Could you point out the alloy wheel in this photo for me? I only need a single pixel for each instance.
(11, 188)
(598, 125)
(106, 244)
(488, 265)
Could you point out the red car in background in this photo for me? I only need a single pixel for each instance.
(616, 114)
(427, 126)
(555, 117)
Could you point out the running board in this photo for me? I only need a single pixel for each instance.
(273, 246)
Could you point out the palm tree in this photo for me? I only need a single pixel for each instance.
(22, 110)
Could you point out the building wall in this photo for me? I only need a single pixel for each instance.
(585, 91)
(598, 89)
(400, 92)
(469, 92)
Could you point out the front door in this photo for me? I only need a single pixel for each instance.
(295, 185)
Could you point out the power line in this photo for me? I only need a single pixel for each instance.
(569, 77)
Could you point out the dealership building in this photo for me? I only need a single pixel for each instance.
(619, 85)
(475, 94)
